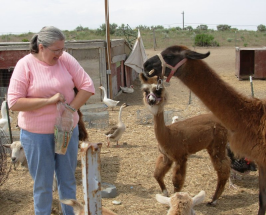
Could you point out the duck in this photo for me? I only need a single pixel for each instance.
(115, 133)
(127, 89)
(174, 119)
(4, 119)
(109, 102)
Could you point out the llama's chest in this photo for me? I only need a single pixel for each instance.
(172, 154)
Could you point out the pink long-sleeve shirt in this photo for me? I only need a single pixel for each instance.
(33, 78)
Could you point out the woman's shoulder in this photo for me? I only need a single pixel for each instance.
(25, 60)
(67, 57)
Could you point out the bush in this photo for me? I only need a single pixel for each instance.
(223, 27)
(189, 28)
(25, 40)
(261, 28)
(205, 40)
(229, 40)
(202, 27)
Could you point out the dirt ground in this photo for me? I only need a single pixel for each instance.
(130, 167)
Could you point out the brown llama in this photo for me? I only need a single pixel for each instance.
(243, 116)
(183, 138)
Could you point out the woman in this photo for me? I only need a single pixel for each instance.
(39, 81)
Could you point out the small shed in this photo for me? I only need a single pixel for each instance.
(250, 62)
(91, 54)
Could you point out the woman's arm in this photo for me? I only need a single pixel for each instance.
(80, 99)
(29, 104)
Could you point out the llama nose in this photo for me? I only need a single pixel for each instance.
(13, 159)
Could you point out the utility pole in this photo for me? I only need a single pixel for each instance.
(183, 19)
(108, 49)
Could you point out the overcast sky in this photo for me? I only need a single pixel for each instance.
(21, 16)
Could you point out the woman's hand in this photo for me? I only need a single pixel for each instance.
(58, 97)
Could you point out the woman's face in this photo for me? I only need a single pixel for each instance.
(51, 54)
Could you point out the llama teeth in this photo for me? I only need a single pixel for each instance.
(152, 71)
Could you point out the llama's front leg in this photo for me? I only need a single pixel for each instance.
(262, 192)
(179, 175)
(163, 164)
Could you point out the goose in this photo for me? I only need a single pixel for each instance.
(109, 102)
(4, 119)
(174, 119)
(115, 133)
(127, 89)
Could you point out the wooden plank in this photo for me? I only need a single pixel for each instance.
(14, 47)
(119, 58)
(128, 76)
(102, 68)
(122, 74)
(14, 43)
(260, 64)
(117, 42)
(93, 45)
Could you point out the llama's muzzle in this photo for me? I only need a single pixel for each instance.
(152, 99)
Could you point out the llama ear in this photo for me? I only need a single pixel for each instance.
(145, 80)
(195, 55)
(7, 145)
(199, 198)
(163, 199)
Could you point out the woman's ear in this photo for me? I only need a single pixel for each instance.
(41, 47)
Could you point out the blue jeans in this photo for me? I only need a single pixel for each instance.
(42, 162)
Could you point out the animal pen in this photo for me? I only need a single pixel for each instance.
(92, 57)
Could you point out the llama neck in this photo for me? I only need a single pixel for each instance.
(229, 106)
(160, 129)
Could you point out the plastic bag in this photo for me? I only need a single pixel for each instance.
(63, 128)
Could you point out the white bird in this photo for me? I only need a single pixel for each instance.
(4, 119)
(174, 119)
(115, 133)
(127, 89)
(109, 102)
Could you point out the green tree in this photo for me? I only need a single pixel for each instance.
(261, 28)
(202, 27)
(223, 27)
(205, 40)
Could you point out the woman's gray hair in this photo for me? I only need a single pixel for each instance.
(47, 36)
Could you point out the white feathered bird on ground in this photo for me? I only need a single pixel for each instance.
(115, 133)
(174, 119)
(109, 102)
(4, 119)
(127, 89)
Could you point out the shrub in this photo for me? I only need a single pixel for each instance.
(189, 28)
(223, 27)
(25, 40)
(202, 27)
(261, 28)
(205, 40)
(229, 40)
